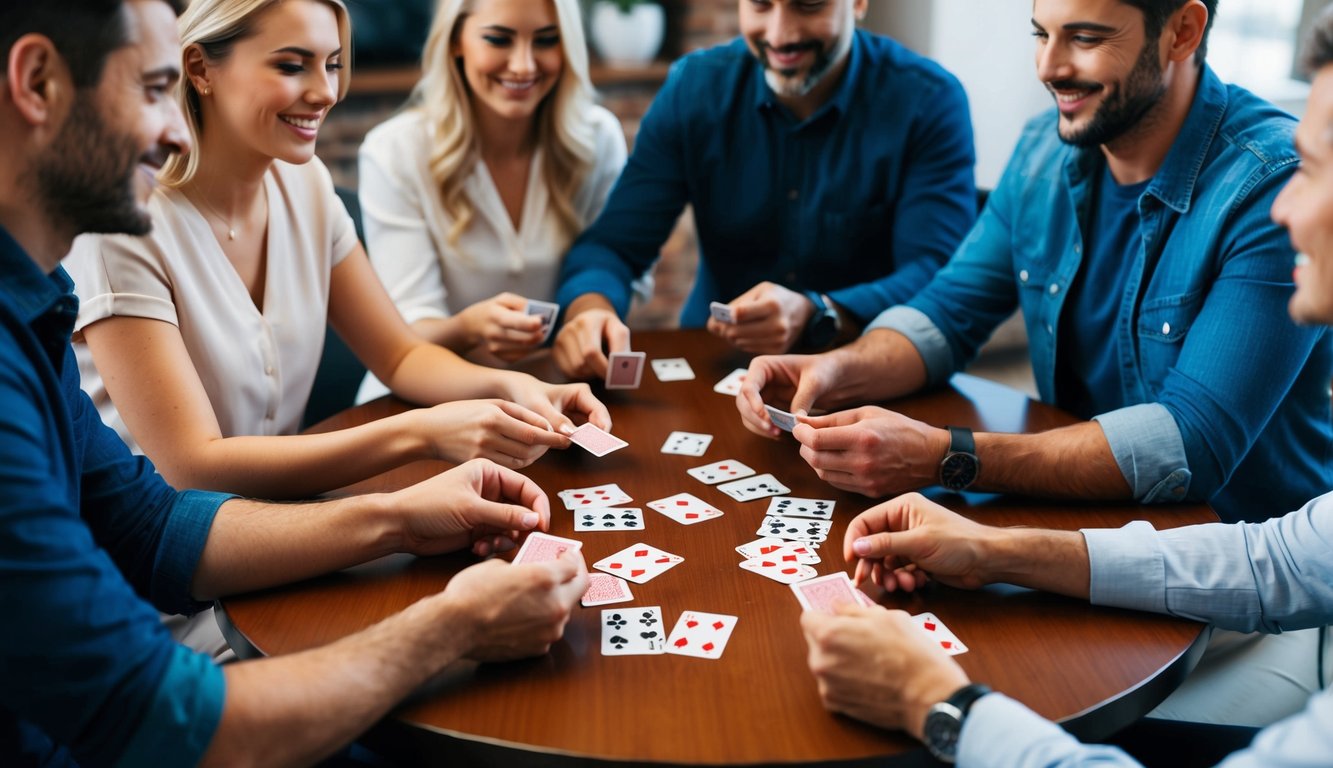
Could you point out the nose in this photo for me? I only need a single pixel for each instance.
(1280, 208)
(175, 133)
(782, 29)
(1052, 62)
(323, 90)
(522, 62)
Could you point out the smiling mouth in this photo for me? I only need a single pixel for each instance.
(518, 86)
(305, 123)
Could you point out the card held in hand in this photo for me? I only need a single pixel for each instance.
(624, 370)
(540, 547)
(722, 313)
(547, 311)
(826, 593)
(780, 418)
(596, 440)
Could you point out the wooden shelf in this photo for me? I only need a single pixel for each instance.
(390, 80)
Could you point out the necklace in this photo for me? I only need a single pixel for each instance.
(231, 230)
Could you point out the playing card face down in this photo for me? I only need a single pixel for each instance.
(790, 506)
(673, 369)
(826, 593)
(935, 629)
(608, 495)
(795, 529)
(780, 418)
(609, 519)
(702, 635)
(596, 440)
(687, 443)
(751, 488)
(547, 311)
(639, 563)
(633, 631)
(624, 370)
(603, 589)
(731, 383)
(720, 472)
(722, 313)
(541, 547)
(685, 508)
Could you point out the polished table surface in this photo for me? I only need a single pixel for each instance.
(1093, 669)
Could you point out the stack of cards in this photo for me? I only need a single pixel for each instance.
(595, 440)
(785, 562)
(624, 370)
(608, 495)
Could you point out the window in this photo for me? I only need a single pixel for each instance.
(1254, 44)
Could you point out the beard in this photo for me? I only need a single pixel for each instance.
(1126, 106)
(784, 82)
(85, 178)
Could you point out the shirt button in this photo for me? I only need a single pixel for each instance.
(1078, 249)
(792, 194)
(1055, 288)
(1049, 329)
(1166, 329)
(1023, 275)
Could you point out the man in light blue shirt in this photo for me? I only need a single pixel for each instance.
(1273, 576)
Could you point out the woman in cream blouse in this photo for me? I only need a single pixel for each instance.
(200, 342)
(472, 195)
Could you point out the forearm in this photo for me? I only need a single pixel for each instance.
(429, 375)
(1072, 462)
(881, 365)
(1052, 561)
(448, 332)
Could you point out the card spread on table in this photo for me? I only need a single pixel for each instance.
(624, 370)
(685, 508)
(540, 547)
(790, 551)
(722, 313)
(673, 369)
(720, 472)
(609, 519)
(790, 506)
(781, 570)
(795, 528)
(604, 589)
(687, 443)
(731, 385)
(548, 311)
(826, 593)
(608, 495)
(780, 418)
(751, 488)
(699, 634)
(933, 627)
(632, 631)
(638, 563)
(595, 440)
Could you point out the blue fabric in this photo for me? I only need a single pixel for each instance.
(1241, 413)
(864, 200)
(88, 535)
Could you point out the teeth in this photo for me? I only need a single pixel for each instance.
(517, 85)
(1070, 98)
(308, 124)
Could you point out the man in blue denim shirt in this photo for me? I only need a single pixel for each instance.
(90, 535)
(830, 171)
(1214, 396)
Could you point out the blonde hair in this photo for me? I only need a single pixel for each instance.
(564, 128)
(216, 26)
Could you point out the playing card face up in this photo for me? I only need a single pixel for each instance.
(624, 370)
(721, 313)
(604, 589)
(781, 570)
(548, 311)
(720, 472)
(703, 635)
(633, 632)
(781, 419)
(790, 506)
(609, 495)
(795, 529)
(673, 369)
(935, 629)
(757, 487)
(540, 547)
(609, 519)
(826, 593)
(639, 563)
(595, 440)
(685, 508)
(731, 385)
(797, 551)
(687, 443)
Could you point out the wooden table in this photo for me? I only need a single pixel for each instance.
(1093, 669)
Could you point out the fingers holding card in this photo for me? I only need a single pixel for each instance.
(624, 370)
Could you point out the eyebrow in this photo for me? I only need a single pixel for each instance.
(1080, 26)
(169, 72)
(509, 31)
(305, 53)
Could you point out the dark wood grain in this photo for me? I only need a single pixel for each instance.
(1094, 669)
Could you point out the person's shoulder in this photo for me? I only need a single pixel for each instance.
(887, 60)
(712, 71)
(1258, 128)
(408, 126)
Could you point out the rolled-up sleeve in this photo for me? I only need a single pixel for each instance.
(924, 335)
(1149, 450)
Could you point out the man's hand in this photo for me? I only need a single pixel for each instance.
(502, 327)
(899, 543)
(877, 666)
(872, 451)
(589, 321)
(517, 611)
(769, 320)
(796, 379)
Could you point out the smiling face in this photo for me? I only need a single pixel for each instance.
(798, 42)
(1305, 206)
(1095, 59)
(511, 55)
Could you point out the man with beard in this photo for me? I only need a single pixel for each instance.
(1131, 228)
(90, 534)
(830, 174)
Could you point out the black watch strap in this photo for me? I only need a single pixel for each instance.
(961, 441)
(965, 697)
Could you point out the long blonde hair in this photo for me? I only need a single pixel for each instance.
(216, 26)
(564, 128)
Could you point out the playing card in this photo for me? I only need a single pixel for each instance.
(687, 443)
(632, 631)
(790, 506)
(722, 313)
(638, 563)
(720, 471)
(751, 488)
(781, 419)
(932, 626)
(609, 519)
(548, 311)
(779, 570)
(608, 495)
(769, 546)
(540, 547)
(731, 385)
(825, 593)
(685, 508)
(596, 440)
(604, 589)
(624, 369)
(760, 546)
(795, 528)
(701, 634)
(861, 598)
(673, 369)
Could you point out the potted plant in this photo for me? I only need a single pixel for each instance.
(627, 32)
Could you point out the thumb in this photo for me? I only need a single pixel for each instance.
(807, 392)
(907, 545)
(503, 517)
(617, 335)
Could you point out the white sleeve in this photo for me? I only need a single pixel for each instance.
(608, 161)
(119, 276)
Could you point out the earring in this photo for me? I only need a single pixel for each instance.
(208, 90)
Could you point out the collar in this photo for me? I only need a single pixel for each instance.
(25, 287)
(841, 98)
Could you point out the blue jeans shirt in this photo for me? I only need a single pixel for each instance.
(89, 535)
(1227, 400)
(864, 200)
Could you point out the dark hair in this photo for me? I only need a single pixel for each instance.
(1317, 50)
(84, 31)
(1156, 12)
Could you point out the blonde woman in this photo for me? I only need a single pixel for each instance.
(471, 196)
(200, 342)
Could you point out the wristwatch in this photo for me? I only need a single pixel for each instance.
(961, 465)
(944, 722)
(824, 324)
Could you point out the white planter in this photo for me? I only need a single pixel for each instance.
(627, 38)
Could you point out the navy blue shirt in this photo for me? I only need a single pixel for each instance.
(89, 535)
(863, 200)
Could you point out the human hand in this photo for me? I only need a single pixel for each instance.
(478, 504)
(502, 326)
(578, 346)
(769, 320)
(875, 665)
(902, 542)
(508, 433)
(555, 403)
(796, 379)
(872, 451)
(517, 611)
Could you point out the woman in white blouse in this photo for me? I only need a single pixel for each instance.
(472, 195)
(200, 342)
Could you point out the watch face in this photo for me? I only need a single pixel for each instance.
(958, 471)
(941, 735)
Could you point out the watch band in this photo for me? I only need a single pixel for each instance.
(944, 722)
(961, 441)
(963, 698)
